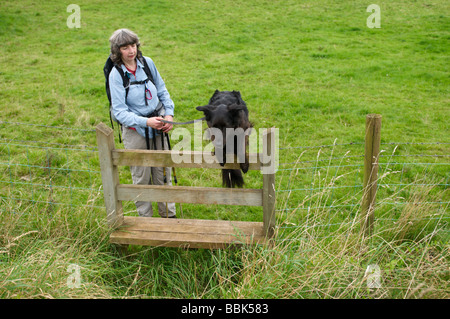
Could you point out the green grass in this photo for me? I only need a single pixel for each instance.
(313, 70)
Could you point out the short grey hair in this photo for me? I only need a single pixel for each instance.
(120, 38)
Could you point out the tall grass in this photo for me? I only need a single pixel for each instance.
(312, 259)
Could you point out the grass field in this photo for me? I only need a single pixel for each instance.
(312, 69)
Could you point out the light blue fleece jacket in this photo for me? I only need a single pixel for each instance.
(133, 111)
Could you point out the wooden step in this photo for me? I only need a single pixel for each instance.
(187, 233)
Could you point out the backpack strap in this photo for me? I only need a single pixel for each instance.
(147, 69)
(125, 79)
(126, 85)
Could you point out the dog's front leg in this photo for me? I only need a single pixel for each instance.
(221, 156)
(244, 166)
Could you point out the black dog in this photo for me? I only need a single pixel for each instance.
(227, 110)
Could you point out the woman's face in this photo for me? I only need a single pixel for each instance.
(128, 53)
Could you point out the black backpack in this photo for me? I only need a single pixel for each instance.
(109, 65)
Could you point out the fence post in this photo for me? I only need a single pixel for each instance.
(269, 182)
(372, 152)
(110, 175)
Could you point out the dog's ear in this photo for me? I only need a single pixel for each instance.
(234, 108)
(237, 94)
(206, 109)
(213, 97)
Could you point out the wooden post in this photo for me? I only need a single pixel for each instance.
(268, 194)
(110, 175)
(372, 152)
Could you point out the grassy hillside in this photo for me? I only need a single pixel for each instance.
(312, 69)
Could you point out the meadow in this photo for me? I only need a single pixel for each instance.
(312, 69)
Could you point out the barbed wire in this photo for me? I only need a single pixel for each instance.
(362, 143)
(8, 141)
(321, 146)
(48, 126)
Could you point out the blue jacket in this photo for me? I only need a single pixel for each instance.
(133, 111)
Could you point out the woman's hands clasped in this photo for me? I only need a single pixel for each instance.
(155, 123)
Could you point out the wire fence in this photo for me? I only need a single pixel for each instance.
(311, 180)
(324, 185)
(42, 174)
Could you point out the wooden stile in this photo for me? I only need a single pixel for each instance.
(190, 233)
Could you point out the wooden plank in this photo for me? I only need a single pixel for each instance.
(194, 159)
(194, 195)
(110, 175)
(218, 227)
(171, 240)
(190, 233)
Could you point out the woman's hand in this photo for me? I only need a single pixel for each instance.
(167, 126)
(155, 123)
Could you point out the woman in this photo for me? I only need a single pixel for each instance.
(136, 111)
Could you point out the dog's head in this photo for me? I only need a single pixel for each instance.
(226, 110)
(227, 98)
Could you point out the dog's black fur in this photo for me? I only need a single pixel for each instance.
(226, 109)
